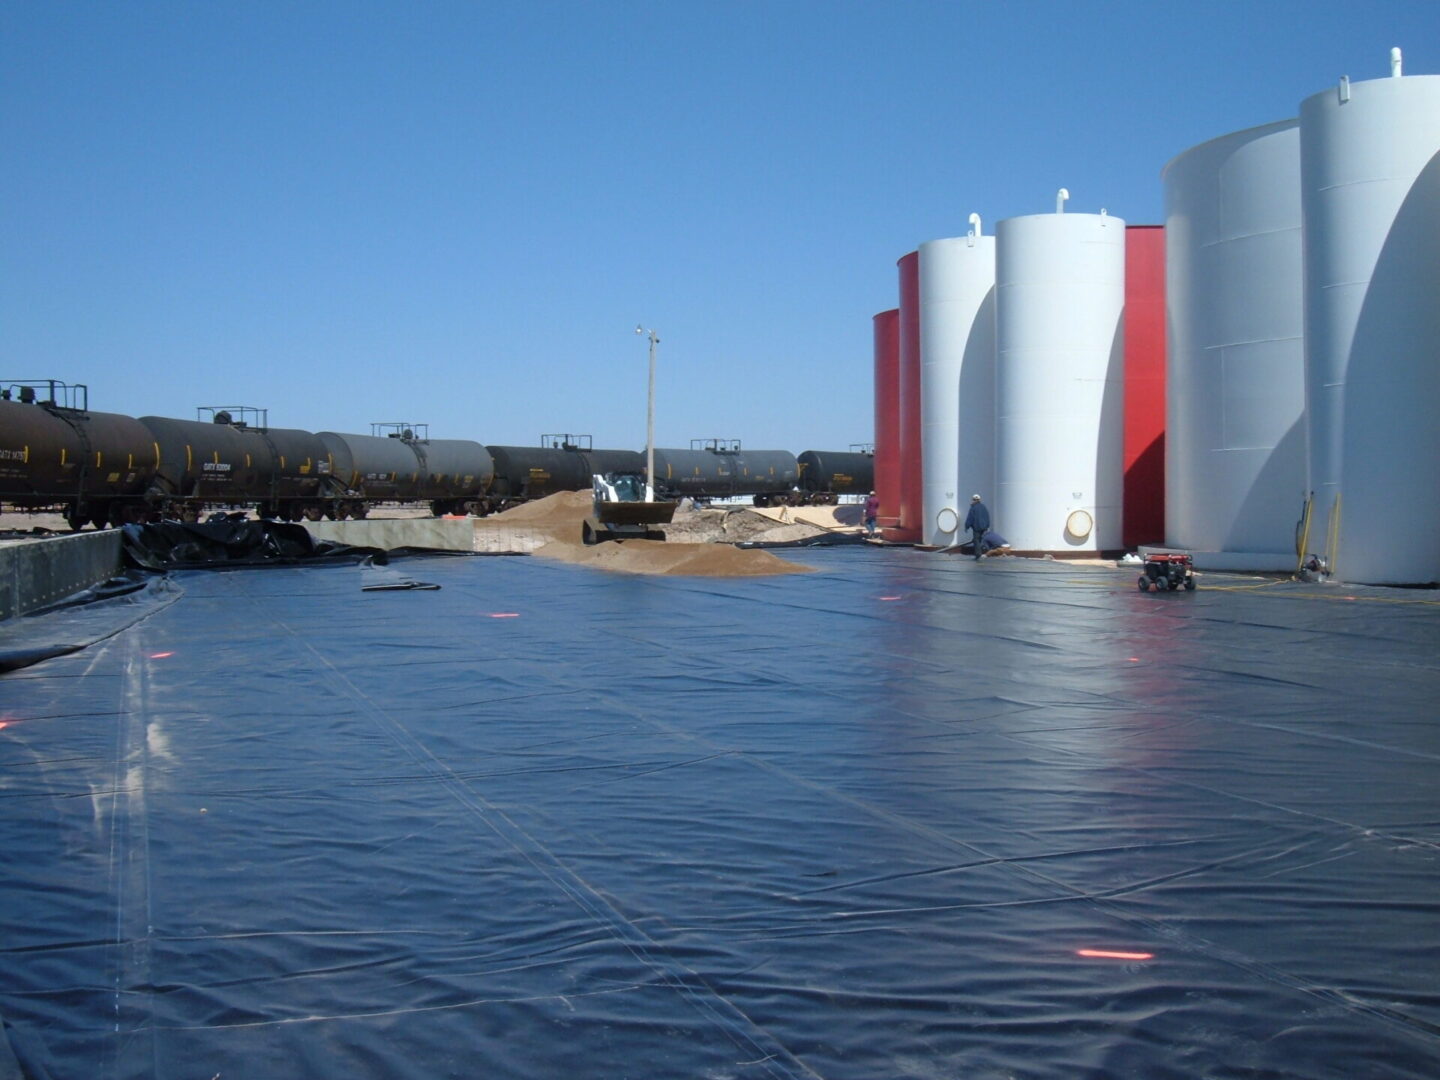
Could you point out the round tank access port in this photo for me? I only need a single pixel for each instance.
(1078, 525)
(947, 521)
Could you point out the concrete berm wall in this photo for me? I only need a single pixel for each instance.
(36, 574)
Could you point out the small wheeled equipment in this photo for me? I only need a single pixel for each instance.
(1167, 570)
(625, 509)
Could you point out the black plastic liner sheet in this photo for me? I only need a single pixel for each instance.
(907, 817)
(82, 619)
(226, 543)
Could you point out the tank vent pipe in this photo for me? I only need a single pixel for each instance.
(1104, 215)
(1060, 197)
(975, 229)
(1395, 62)
(1344, 89)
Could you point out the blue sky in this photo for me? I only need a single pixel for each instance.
(455, 213)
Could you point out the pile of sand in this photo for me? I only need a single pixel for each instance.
(847, 517)
(562, 508)
(734, 526)
(664, 557)
(557, 516)
(699, 552)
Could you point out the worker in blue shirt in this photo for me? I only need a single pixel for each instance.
(978, 522)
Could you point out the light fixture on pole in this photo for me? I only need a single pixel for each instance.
(650, 418)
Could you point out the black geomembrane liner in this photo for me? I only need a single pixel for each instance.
(907, 817)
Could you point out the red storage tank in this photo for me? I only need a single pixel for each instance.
(887, 416)
(1143, 511)
(908, 531)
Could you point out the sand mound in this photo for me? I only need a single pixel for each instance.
(845, 517)
(732, 525)
(561, 508)
(662, 557)
(697, 544)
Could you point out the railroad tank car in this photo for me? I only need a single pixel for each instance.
(615, 461)
(825, 475)
(533, 472)
(371, 468)
(299, 485)
(455, 474)
(719, 472)
(281, 471)
(96, 465)
(205, 462)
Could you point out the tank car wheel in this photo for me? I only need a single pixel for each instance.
(1144, 583)
(359, 511)
(1190, 584)
(312, 513)
(126, 514)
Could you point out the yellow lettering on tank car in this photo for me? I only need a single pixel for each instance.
(62, 455)
(189, 458)
(97, 459)
(113, 478)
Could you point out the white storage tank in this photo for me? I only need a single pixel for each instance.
(1235, 369)
(1370, 182)
(1059, 378)
(957, 373)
